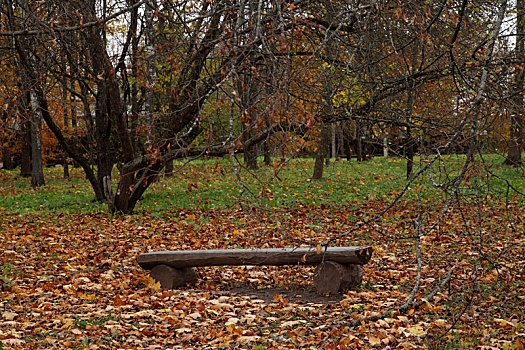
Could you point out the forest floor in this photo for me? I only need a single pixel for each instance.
(71, 281)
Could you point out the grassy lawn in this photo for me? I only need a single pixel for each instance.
(205, 185)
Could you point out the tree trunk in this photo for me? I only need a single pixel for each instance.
(359, 143)
(248, 90)
(25, 166)
(340, 141)
(103, 155)
(24, 101)
(168, 170)
(149, 101)
(322, 150)
(66, 123)
(37, 172)
(516, 141)
(110, 121)
(267, 154)
(332, 133)
(516, 122)
(250, 152)
(409, 153)
(136, 133)
(327, 109)
(346, 140)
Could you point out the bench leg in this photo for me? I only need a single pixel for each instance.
(331, 277)
(170, 277)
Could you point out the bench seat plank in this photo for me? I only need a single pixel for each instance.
(263, 256)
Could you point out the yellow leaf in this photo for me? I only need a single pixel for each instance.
(374, 341)
(68, 324)
(504, 323)
(153, 285)
(417, 331)
(426, 305)
(440, 322)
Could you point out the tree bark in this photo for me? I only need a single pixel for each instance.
(151, 73)
(250, 153)
(322, 150)
(66, 123)
(37, 172)
(361, 156)
(409, 153)
(333, 143)
(267, 154)
(518, 109)
(25, 166)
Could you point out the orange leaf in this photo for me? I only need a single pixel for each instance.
(519, 344)
(118, 301)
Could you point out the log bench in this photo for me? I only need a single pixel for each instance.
(338, 268)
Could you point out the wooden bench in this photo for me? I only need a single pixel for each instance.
(338, 268)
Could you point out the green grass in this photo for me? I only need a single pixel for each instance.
(212, 184)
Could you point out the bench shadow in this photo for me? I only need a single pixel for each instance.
(296, 296)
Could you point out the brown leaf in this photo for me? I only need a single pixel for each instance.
(118, 301)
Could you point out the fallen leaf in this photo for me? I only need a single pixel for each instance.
(374, 341)
(9, 316)
(118, 301)
(153, 285)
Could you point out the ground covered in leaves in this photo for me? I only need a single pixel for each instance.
(71, 281)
